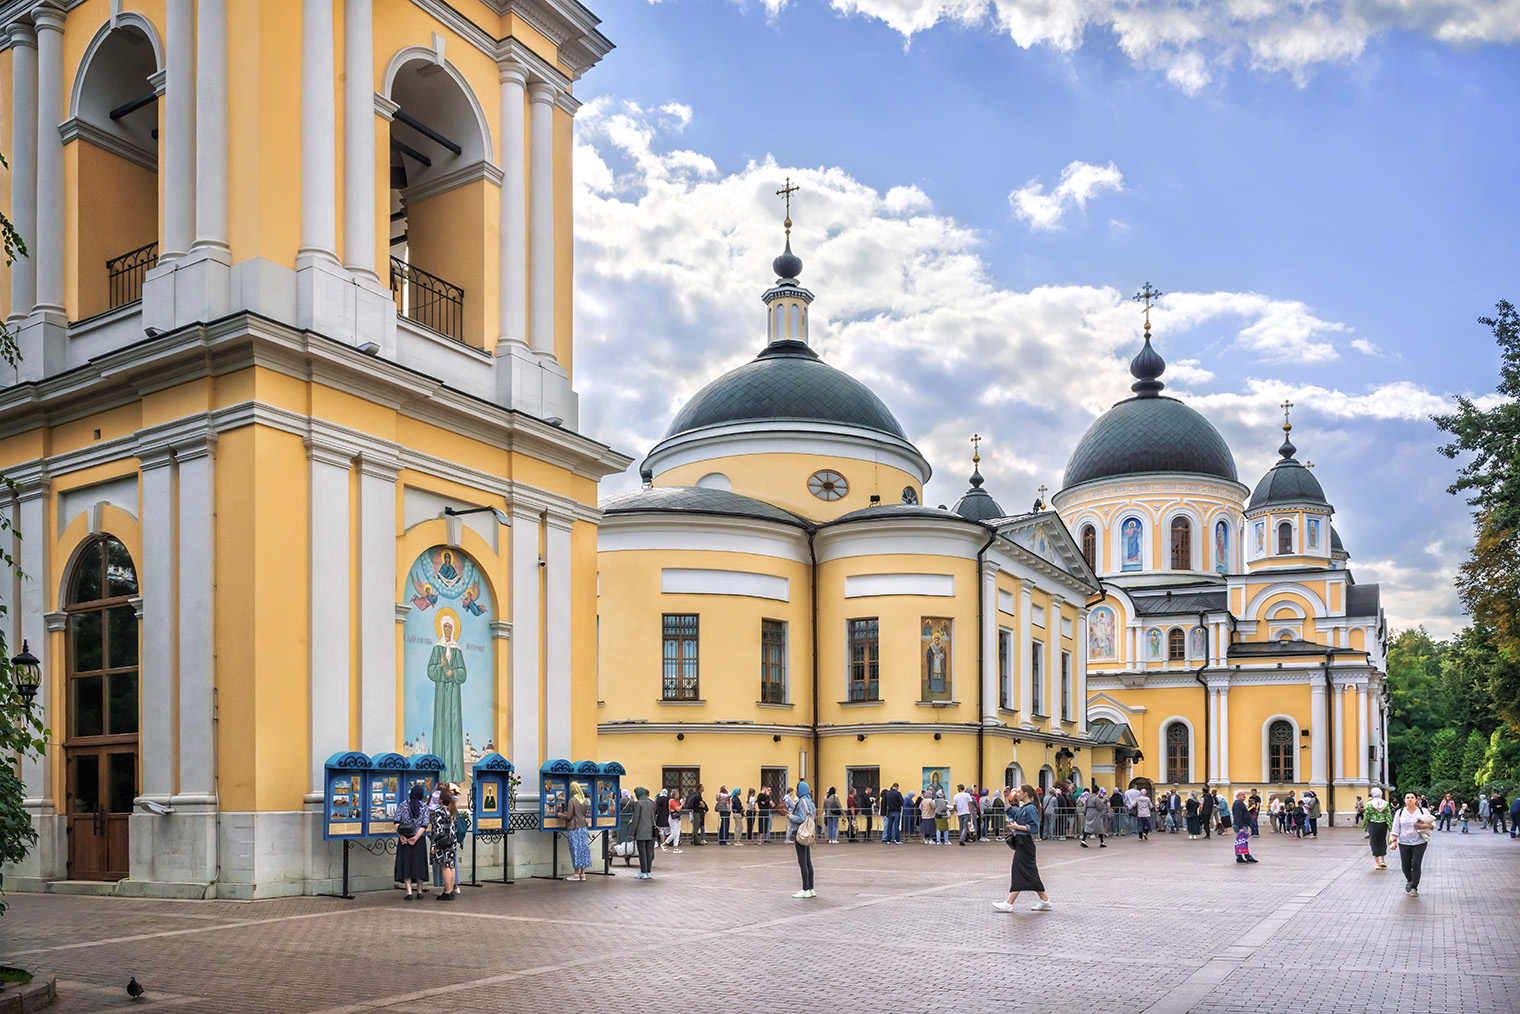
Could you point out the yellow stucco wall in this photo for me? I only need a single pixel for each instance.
(782, 479)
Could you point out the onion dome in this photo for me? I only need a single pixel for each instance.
(1149, 433)
(787, 266)
(976, 504)
(1288, 482)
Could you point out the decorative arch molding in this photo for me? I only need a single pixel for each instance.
(1147, 520)
(114, 523)
(1113, 714)
(1293, 750)
(1192, 771)
(125, 19)
(1235, 533)
(414, 54)
(1316, 604)
(1195, 541)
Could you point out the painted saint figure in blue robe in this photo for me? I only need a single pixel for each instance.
(446, 670)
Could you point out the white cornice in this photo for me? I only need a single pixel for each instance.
(568, 26)
(954, 537)
(82, 130)
(635, 532)
(1150, 483)
(463, 176)
(721, 728)
(787, 437)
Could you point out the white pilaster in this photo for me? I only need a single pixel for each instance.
(196, 615)
(1052, 673)
(1339, 696)
(211, 124)
(988, 634)
(318, 133)
(178, 158)
(526, 624)
(1025, 653)
(1213, 772)
(558, 605)
(156, 656)
(1079, 659)
(541, 220)
(1224, 734)
(47, 245)
(359, 223)
(513, 294)
(330, 620)
(1318, 739)
(1363, 740)
(23, 156)
(377, 603)
(32, 513)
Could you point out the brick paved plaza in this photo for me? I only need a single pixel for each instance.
(1169, 925)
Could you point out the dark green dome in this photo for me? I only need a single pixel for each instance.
(1288, 482)
(787, 381)
(976, 504)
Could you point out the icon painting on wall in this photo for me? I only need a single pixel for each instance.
(936, 657)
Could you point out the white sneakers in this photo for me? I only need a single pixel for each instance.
(1002, 906)
(806, 894)
(1041, 906)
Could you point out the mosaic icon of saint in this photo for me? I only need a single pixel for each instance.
(447, 671)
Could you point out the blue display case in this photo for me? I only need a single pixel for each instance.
(492, 792)
(554, 780)
(606, 798)
(425, 768)
(345, 807)
(387, 791)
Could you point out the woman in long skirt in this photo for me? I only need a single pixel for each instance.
(1025, 823)
(1377, 818)
(575, 817)
(411, 843)
(1194, 828)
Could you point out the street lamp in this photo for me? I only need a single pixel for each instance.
(27, 672)
(501, 515)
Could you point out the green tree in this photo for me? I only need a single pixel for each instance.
(1414, 670)
(1501, 763)
(1473, 753)
(1468, 667)
(1446, 755)
(1489, 581)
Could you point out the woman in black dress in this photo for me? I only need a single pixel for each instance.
(411, 846)
(1025, 824)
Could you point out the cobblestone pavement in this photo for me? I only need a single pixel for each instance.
(1164, 926)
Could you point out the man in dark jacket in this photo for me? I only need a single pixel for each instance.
(1206, 811)
(1240, 816)
(698, 807)
(891, 816)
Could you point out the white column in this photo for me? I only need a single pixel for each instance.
(318, 137)
(377, 602)
(211, 125)
(23, 156)
(1339, 696)
(1025, 652)
(525, 706)
(558, 604)
(156, 655)
(48, 242)
(1079, 659)
(1224, 734)
(1213, 765)
(513, 294)
(541, 221)
(359, 153)
(37, 598)
(178, 148)
(1363, 740)
(989, 674)
(330, 620)
(196, 613)
(1318, 740)
(1053, 660)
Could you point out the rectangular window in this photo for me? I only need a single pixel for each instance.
(775, 780)
(1066, 686)
(772, 662)
(865, 660)
(1037, 679)
(680, 680)
(1005, 669)
(680, 782)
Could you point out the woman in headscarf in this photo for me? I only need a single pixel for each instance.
(1025, 822)
(801, 811)
(643, 827)
(1094, 817)
(574, 816)
(1378, 817)
(411, 850)
(1194, 828)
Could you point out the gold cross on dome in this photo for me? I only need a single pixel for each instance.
(976, 448)
(1042, 492)
(1286, 406)
(1148, 296)
(787, 192)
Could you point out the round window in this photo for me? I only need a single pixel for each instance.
(827, 485)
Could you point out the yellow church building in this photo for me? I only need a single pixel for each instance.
(295, 407)
(1231, 637)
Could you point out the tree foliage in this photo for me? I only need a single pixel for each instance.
(1489, 581)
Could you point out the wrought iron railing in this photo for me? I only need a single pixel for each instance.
(868, 690)
(125, 274)
(772, 692)
(427, 299)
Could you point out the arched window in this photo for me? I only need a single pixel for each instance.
(1182, 544)
(1280, 752)
(1176, 644)
(100, 745)
(1013, 776)
(1090, 546)
(1284, 538)
(1177, 752)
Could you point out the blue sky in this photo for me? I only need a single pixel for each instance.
(1325, 191)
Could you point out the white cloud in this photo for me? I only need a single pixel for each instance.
(672, 255)
(1191, 41)
(1080, 181)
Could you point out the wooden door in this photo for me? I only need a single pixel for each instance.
(102, 785)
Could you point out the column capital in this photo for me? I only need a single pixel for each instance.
(160, 81)
(559, 522)
(542, 92)
(32, 480)
(379, 466)
(48, 17)
(385, 108)
(512, 71)
(1026, 586)
(324, 452)
(22, 34)
(200, 446)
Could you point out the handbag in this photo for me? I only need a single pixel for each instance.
(807, 832)
(406, 830)
(1012, 841)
